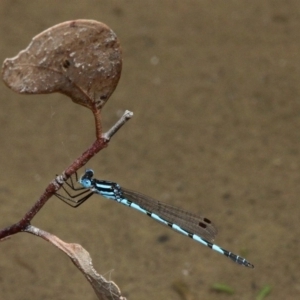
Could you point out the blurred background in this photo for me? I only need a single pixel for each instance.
(214, 87)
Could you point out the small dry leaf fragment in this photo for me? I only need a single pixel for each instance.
(80, 58)
(104, 289)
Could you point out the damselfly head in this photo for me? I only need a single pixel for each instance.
(86, 179)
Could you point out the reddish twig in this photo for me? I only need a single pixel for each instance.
(98, 124)
(54, 185)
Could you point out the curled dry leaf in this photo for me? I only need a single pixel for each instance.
(80, 58)
(104, 289)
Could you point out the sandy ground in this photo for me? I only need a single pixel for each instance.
(214, 87)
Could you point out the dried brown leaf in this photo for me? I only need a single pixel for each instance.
(80, 58)
(104, 289)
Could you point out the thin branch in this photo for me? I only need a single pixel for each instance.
(126, 116)
(55, 185)
(98, 125)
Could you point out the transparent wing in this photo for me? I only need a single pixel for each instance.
(190, 222)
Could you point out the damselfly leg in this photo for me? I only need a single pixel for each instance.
(76, 199)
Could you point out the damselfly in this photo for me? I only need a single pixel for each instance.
(194, 226)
